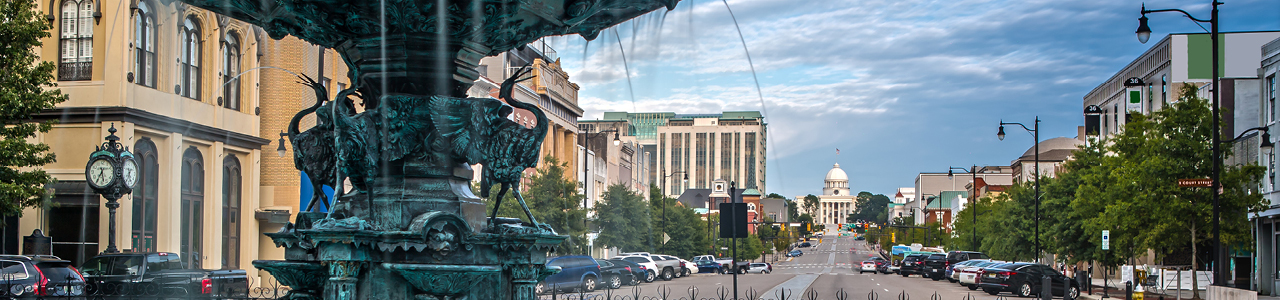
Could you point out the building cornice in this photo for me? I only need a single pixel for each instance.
(99, 114)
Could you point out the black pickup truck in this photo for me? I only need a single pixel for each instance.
(158, 273)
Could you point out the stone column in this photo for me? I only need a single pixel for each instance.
(342, 280)
(523, 279)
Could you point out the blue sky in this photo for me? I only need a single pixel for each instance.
(899, 86)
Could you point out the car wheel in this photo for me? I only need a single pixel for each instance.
(1024, 290)
(952, 280)
(635, 280)
(589, 284)
(936, 277)
(721, 271)
(973, 287)
(667, 274)
(766, 271)
(685, 273)
(1073, 292)
(650, 276)
(615, 282)
(904, 274)
(991, 291)
(539, 289)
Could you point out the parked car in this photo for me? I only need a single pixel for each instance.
(762, 268)
(912, 264)
(1024, 279)
(953, 271)
(689, 268)
(958, 256)
(39, 276)
(805, 245)
(651, 267)
(971, 275)
(711, 266)
(158, 273)
(616, 275)
(638, 272)
(669, 267)
(935, 266)
(795, 253)
(576, 271)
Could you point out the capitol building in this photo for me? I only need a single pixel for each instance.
(836, 202)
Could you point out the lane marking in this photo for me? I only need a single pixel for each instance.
(797, 283)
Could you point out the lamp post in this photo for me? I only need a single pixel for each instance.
(1035, 133)
(1144, 33)
(973, 198)
(112, 172)
(663, 198)
(586, 176)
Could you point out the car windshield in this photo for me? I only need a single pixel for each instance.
(112, 265)
(12, 270)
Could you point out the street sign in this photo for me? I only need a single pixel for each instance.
(1106, 240)
(666, 238)
(1197, 182)
(733, 220)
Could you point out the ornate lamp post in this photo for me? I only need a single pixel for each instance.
(1035, 133)
(111, 172)
(587, 136)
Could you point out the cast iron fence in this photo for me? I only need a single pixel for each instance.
(726, 293)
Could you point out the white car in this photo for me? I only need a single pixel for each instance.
(867, 266)
(969, 276)
(955, 269)
(689, 267)
(650, 275)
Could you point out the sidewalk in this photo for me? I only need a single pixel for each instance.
(1115, 290)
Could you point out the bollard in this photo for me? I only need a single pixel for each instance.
(1128, 290)
(1046, 288)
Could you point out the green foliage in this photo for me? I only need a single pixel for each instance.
(26, 88)
(623, 219)
(687, 229)
(555, 201)
(749, 248)
(869, 208)
(810, 203)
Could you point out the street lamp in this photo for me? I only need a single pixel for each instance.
(1144, 33)
(586, 176)
(281, 150)
(1035, 133)
(973, 199)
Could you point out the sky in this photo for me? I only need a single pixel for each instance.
(899, 86)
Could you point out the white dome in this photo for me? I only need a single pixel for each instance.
(836, 174)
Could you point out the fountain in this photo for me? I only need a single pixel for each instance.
(411, 228)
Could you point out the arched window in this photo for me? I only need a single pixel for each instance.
(231, 68)
(192, 208)
(231, 213)
(144, 43)
(145, 196)
(189, 59)
(76, 40)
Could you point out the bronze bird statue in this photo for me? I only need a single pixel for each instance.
(512, 148)
(313, 150)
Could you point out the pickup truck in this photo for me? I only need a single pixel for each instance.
(741, 267)
(158, 273)
(668, 266)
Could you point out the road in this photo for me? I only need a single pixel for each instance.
(826, 269)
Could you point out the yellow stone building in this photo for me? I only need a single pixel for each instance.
(200, 99)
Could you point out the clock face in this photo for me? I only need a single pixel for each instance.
(100, 173)
(129, 173)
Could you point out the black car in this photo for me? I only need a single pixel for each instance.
(615, 275)
(912, 264)
(158, 273)
(39, 276)
(1024, 279)
(638, 271)
(935, 266)
(805, 245)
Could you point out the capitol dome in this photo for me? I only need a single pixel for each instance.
(836, 174)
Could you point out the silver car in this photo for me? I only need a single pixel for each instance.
(761, 268)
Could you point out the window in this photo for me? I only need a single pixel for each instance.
(144, 65)
(1164, 89)
(189, 60)
(76, 40)
(145, 196)
(192, 212)
(230, 71)
(1271, 98)
(231, 181)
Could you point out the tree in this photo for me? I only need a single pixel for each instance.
(810, 203)
(26, 88)
(621, 217)
(686, 228)
(792, 210)
(869, 207)
(555, 201)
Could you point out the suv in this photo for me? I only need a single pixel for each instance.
(575, 271)
(935, 266)
(912, 264)
(39, 275)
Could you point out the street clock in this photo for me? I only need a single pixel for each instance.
(111, 172)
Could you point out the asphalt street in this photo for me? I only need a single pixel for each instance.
(826, 269)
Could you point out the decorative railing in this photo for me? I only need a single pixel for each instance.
(73, 71)
(725, 293)
(78, 290)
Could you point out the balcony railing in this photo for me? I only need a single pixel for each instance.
(74, 71)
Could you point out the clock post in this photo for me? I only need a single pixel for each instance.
(112, 172)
